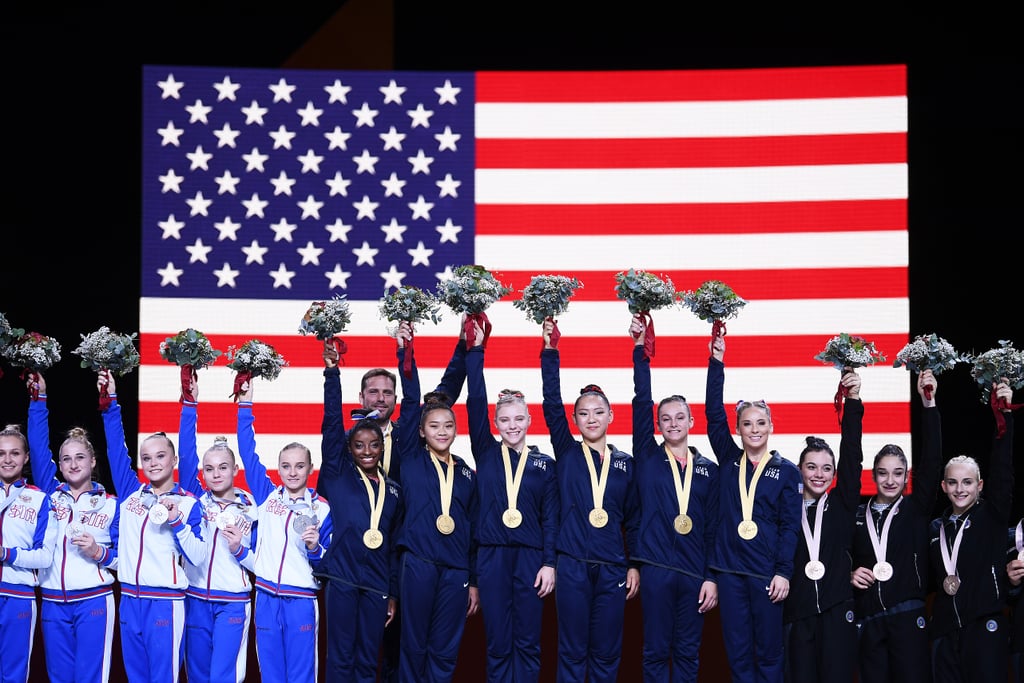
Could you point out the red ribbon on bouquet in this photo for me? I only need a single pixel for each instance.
(407, 360)
(842, 392)
(188, 374)
(555, 335)
(340, 346)
(33, 376)
(648, 321)
(467, 327)
(717, 329)
(241, 377)
(999, 404)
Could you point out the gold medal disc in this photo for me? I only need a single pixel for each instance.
(747, 529)
(373, 539)
(598, 518)
(682, 524)
(512, 518)
(445, 524)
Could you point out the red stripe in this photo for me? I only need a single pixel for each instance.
(576, 352)
(305, 418)
(693, 86)
(693, 219)
(790, 150)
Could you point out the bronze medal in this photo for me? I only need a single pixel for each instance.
(951, 584)
(598, 518)
(682, 524)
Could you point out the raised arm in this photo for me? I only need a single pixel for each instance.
(554, 409)
(122, 472)
(851, 451)
(719, 433)
(44, 470)
(332, 427)
(643, 402)
(188, 450)
(256, 478)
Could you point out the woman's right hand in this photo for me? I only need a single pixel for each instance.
(105, 379)
(637, 328)
(547, 327)
(717, 348)
(926, 383)
(862, 578)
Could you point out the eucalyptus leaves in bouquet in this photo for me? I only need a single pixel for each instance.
(471, 290)
(848, 351)
(254, 359)
(324, 319)
(104, 349)
(644, 292)
(34, 352)
(7, 335)
(191, 351)
(713, 302)
(410, 305)
(993, 366)
(928, 352)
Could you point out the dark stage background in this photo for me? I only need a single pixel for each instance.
(72, 157)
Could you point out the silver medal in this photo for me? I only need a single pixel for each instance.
(158, 514)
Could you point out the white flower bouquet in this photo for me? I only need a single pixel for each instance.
(33, 351)
(995, 364)
(104, 349)
(849, 351)
(324, 319)
(928, 352)
(256, 359)
(471, 290)
(410, 304)
(644, 292)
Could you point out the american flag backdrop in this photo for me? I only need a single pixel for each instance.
(264, 190)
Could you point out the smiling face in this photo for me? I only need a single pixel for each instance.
(76, 464)
(890, 475)
(962, 485)
(13, 457)
(754, 426)
(219, 470)
(294, 466)
(378, 393)
(512, 419)
(367, 447)
(157, 460)
(592, 416)
(675, 422)
(438, 428)
(818, 469)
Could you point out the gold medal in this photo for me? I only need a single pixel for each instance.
(683, 524)
(747, 529)
(814, 570)
(598, 518)
(512, 518)
(445, 524)
(882, 571)
(373, 539)
(951, 584)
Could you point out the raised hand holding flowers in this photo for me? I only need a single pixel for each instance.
(928, 352)
(410, 305)
(191, 351)
(645, 292)
(992, 367)
(254, 359)
(107, 350)
(34, 352)
(545, 297)
(713, 302)
(848, 351)
(472, 290)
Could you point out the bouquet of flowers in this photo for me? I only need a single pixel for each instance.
(34, 352)
(713, 302)
(411, 305)
(107, 350)
(547, 296)
(254, 359)
(191, 351)
(928, 352)
(324, 319)
(848, 351)
(7, 334)
(644, 292)
(471, 290)
(992, 366)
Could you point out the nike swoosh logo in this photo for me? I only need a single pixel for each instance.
(466, 585)
(622, 584)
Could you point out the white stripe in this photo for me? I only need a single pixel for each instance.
(789, 445)
(685, 185)
(825, 116)
(554, 253)
(246, 318)
(882, 383)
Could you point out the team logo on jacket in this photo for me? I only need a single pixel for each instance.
(921, 622)
(849, 616)
(991, 626)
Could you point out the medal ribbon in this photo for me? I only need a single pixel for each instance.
(1018, 538)
(747, 495)
(376, 504)
(880, 545)
(813, 538)
(949, 562)
(597, 486)
(513, 482)
(682, 488)
(447, 481)
(386, 460)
